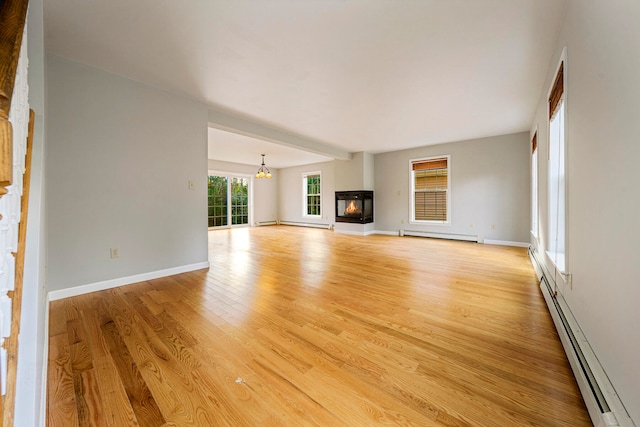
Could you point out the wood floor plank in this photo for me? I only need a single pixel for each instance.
(57, 320)
(299, 326)
(175, 337)
(140, 358)
(116, 407)
(62, 410)
(226, 350)
(227, 357)
(183, 397)
(142, 401)
(88, 399)
(87, 394)
(229, 377)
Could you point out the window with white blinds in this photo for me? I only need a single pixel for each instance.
(557, 172)
(534, 184)
(430, 189)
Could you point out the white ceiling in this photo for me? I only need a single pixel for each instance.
(361, 75)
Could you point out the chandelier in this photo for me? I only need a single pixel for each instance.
(264, 171)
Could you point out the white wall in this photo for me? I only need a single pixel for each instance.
(265, 191)
(290, 191)
(489, 188)
(120, 155)
(368, 171)
(355, 174)
(603, 134)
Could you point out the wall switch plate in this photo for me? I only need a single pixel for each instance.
(115, 253)
(191, 184)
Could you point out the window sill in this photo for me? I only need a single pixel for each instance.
(430, 223)
(558, 260)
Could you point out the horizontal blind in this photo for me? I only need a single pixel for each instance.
(432, 180)
(556, 91)
(431, 206)
(430, 164)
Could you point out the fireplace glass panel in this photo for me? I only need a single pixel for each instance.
(351, 207)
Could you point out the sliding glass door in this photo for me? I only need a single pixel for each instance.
(228, 200)
(239, 201)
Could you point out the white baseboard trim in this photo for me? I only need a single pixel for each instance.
(448, 236)
(506, 243)
(122, 281)
(305, 224)
(355, 233)
(421, 234)
(386, 233)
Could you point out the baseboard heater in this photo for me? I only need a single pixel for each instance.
(601, 400)
(449, 236)
(305, 224)
(262, 223)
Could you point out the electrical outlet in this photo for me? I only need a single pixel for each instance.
(471, 225)
(191, 184)
(115, 253)
(493, 226)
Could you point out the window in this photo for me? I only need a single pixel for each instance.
(228, 200)
(534, 184)
(430, 190)
(557, 192)
(312, 194)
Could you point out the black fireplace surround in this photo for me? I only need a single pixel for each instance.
(354, 206)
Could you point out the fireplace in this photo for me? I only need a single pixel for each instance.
(354, 206)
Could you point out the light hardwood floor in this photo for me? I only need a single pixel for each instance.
(296, 326)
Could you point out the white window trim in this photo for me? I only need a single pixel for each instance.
(304, 194)
(559, 259)
(412, 208)
(535, 207)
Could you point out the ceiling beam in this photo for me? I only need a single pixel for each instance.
(230, 123)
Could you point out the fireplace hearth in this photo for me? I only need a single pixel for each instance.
(354, 206)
